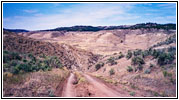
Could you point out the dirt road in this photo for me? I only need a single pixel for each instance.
(102, 87)
(68, 92)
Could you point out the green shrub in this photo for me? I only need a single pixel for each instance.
(165, 74)
(145, 53)
(5, 52)
(172, 49)
(120, 56)
(112, 61)
(165, 58)
(137, 52)
(132, 93)
(129, 54)
(15, 55)
(30, 63)
(13, 62)
(137, 61)
(172, 80)
(147, 71)
(129, 69)
(171, 39)
(99, 65)
(51, 93)
(111, 72)
(6, 58)
(139, 67)
(15, 70)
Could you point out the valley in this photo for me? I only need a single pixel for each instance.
(125, 61)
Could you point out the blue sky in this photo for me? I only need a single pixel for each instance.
(39, 16)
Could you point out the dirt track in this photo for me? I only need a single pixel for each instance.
(68, 91)
(108, 92)
(100, 88)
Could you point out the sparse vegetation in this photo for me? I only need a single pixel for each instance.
(19, 63)
(80, 78)
(137, 61)
(145, 53)
(132, 93)
(129, 54)
(139, 67)
(147, 71)
(165, 58)
(171, 39)
(112, 61)
(129, 69)
(111, 71)
(137, 52)
(167, 74)
(99, 65)
(121, 55)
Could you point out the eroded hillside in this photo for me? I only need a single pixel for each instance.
(69, 56)
(107, 41)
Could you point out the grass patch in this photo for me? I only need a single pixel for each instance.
(80, 78)
(132, 93)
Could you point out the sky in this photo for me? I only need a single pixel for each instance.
(40, 16)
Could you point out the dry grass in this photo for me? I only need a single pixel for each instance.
(80, 78)
(35, 83)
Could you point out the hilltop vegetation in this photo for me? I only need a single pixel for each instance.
(15, 30)
(98, 28)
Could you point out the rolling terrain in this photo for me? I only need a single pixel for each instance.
(85, 61)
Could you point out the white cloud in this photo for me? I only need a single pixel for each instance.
(30, 11)
(168, 5)
(86, 14)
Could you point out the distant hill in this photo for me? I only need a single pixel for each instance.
(81, 28)
(16, 30)
(98, 28)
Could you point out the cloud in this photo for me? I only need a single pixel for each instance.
(168, 5)
(30, 11)
(86, 14)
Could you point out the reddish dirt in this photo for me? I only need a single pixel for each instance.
(103, 88)
(59, 89)
(92, 87)
(69, 89)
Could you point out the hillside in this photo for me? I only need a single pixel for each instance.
(68, 55)
(105, 42)
(87, 61)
